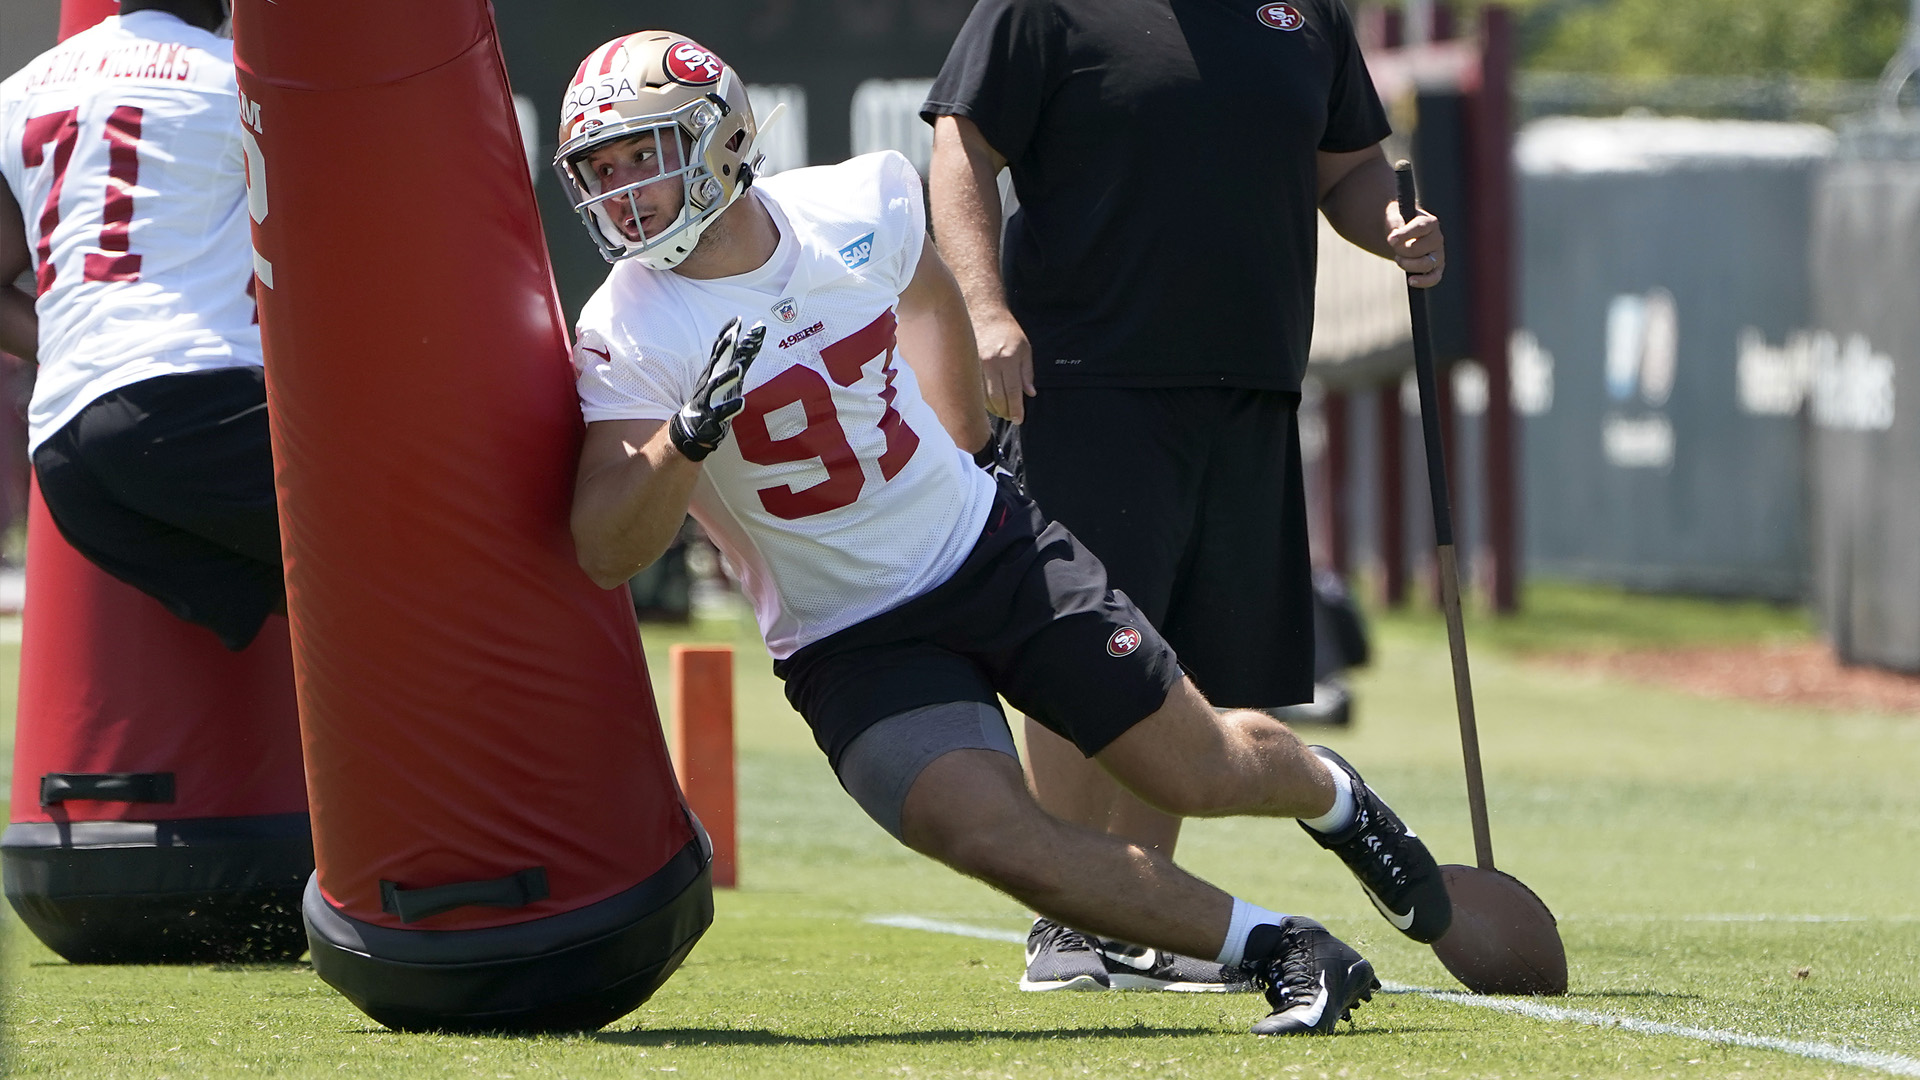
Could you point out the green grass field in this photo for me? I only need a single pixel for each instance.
(1735, 885)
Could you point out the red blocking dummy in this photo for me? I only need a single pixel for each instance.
(77, 15)
(500, 841)
(194, 846)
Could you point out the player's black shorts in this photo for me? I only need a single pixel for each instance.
(167, 484)
(1192, 497)
(1028, 615)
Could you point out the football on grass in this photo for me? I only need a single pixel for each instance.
(1503, 939)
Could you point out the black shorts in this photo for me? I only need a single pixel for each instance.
(167, 484)
(1193, 499)
(1028, 615)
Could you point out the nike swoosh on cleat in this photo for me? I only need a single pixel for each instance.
(1143, 962)
(1400, 922)
(1311, 1017)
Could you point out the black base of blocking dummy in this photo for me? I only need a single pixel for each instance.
(213, 890)
(577, 971)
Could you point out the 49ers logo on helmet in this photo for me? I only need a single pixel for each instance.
(690, 64)
(1124, 640)
(1281, 16)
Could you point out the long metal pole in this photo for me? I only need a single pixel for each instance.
(1423, 371)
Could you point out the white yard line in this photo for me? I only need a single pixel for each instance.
(1739, 918)
(941, 926)
(1840, 1055)
(1894, 1064)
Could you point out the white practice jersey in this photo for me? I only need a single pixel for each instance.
(837, 495)
(122, 146)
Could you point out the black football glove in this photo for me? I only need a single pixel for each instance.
(1002, 456)
(701, 424)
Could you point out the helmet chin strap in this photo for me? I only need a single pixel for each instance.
(682, 246)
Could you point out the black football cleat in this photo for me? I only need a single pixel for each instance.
(1062, 958)
(1394, 867)
(1312, 979)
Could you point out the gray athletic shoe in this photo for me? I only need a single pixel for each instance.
(1313, 980)
(1062, 958)
(1137, 967)
(1332, 706)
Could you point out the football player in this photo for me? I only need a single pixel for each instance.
(123, 188)
(901, 588)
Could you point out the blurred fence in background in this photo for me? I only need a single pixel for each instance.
(1857, 369)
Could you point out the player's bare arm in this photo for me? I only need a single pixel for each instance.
(936, 341)
(636, 477)
(19, 328)
(1358, 195)
(965, 195)
(629, 497)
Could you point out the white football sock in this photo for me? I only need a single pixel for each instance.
(1245, 917)
(1341, 815)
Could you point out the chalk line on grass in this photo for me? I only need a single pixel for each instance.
(1895, 1064)
(1741, 918)
(941, 926)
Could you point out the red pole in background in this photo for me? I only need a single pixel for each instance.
(1490, 170)
(1393, 496)
(701, 740)
(1333, 407)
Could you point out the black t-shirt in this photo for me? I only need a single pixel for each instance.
(1163, 154)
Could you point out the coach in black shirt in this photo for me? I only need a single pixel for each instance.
(1147, 324)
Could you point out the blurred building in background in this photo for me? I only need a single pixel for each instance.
(1659, 255)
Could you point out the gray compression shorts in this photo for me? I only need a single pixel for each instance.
(881, 764)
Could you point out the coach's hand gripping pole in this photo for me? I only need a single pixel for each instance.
(1423, 373)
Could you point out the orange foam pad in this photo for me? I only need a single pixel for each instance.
(701, 734)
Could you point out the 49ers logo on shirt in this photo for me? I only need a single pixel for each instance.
(1281, 16)
(690, 64)
(1124, 640)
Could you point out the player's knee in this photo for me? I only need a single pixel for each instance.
(991, 837)
(999, 852)
(1215, 773)
(928, 764)
(1187, 791)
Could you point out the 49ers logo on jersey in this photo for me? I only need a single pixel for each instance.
(1281, 16)
(690, 64)
(1124, 640)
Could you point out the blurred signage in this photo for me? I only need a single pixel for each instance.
(1849, 381)
(1642, 355)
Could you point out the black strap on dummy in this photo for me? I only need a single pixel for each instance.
(58, 787)
(514, 890)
